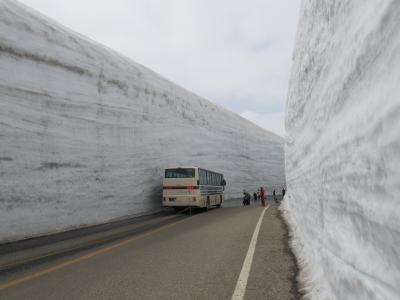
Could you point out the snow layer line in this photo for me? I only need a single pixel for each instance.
(343, 149)
(85, 132)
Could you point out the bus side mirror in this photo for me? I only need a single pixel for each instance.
(223, 182)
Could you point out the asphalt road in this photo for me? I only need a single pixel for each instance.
(199, 257)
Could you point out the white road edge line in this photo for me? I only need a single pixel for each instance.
(241, 284)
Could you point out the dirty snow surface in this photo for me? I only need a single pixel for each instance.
(85, 132)
(343, 149)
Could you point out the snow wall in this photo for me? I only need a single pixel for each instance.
(85, 132)
(343, 149)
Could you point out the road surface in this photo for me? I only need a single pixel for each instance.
(197, 257)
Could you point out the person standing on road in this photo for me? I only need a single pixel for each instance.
(246, 198)
(274, 194)
(262, 196)
(255, 196)
(283, 192)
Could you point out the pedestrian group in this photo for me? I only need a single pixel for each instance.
(260, 195)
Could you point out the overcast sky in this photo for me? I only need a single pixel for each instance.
(234, 53)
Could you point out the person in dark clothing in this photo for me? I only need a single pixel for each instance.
(274, 194)
(255, 196)
(283, 192)
(246, 198)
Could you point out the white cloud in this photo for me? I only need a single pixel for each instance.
(234, 53)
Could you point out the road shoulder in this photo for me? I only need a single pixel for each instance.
(274, 269)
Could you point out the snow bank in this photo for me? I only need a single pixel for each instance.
(85, 133)
(343, 148)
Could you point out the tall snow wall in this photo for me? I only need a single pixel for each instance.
(85, 132)
(343, 149)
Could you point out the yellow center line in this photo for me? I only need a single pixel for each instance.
(67, 263)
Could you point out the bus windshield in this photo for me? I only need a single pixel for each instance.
(180, 173)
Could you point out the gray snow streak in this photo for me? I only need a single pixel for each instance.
(342, 149)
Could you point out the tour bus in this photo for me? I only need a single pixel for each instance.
(192, 187)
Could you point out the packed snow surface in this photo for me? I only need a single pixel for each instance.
(85, 132)
(343, 149)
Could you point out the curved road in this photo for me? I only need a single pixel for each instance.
(200, 257)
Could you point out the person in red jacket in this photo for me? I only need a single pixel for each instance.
(262, 196)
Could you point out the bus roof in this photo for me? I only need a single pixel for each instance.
(182, 167)
(188, 167)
